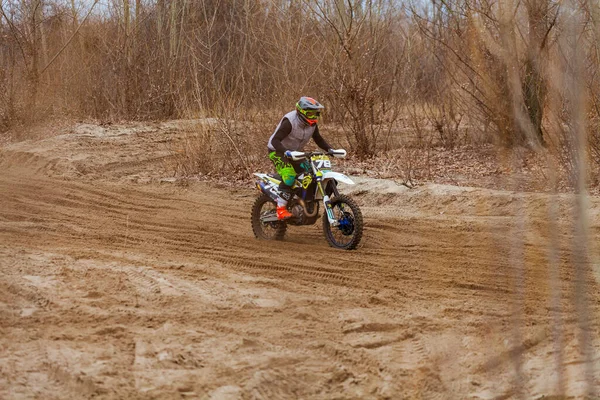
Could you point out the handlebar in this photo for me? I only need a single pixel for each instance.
(299, 155)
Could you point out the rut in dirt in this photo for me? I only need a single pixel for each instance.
(169, 285)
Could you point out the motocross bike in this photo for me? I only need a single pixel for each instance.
(342, 219)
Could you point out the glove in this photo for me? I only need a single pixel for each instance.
(288, 154)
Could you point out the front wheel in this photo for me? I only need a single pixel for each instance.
(264, 219)
(347, 234)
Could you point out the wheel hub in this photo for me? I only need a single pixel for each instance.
(346, 224)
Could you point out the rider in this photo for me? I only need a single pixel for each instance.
(293, 133)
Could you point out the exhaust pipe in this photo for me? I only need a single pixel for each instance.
(315, 211)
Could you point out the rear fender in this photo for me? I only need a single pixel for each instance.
(266, 178)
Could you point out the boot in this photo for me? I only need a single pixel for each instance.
(283, 213)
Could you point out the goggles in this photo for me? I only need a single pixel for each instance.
(311, 114)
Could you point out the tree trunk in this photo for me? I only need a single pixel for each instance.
(35, 19)
(534, 86)
(126, 89)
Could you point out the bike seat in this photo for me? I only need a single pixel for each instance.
(276, 176)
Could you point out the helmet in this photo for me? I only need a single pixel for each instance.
(309, 110)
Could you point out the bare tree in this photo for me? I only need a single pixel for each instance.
(365, 48)
(499, 68)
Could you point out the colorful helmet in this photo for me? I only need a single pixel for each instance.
(309, 110)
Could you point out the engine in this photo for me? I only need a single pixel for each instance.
(298, 212)
(300, 217)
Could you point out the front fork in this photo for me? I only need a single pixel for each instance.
(327, 206)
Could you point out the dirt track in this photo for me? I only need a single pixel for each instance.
(115, 285)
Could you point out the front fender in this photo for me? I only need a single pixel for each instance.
(338, 177)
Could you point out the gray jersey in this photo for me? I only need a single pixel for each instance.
(298, 137)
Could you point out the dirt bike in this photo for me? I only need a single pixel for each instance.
(342, 219)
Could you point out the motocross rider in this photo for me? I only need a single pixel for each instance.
(293, 133)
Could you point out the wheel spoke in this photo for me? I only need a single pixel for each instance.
(342, 233)
(348, 231)
(270, 230)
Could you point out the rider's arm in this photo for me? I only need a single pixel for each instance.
(284, 129)
(322, 143)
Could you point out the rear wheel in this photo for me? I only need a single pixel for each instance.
(348, 233)
(265, 207)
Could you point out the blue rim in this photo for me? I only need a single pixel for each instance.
(346, 224)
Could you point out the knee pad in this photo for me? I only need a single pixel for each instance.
(288, 180)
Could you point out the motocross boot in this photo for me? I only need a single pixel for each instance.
(283, 213)
(284, 197)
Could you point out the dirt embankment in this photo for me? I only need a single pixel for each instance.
(116, 283)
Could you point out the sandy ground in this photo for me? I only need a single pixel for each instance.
(116, 283)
